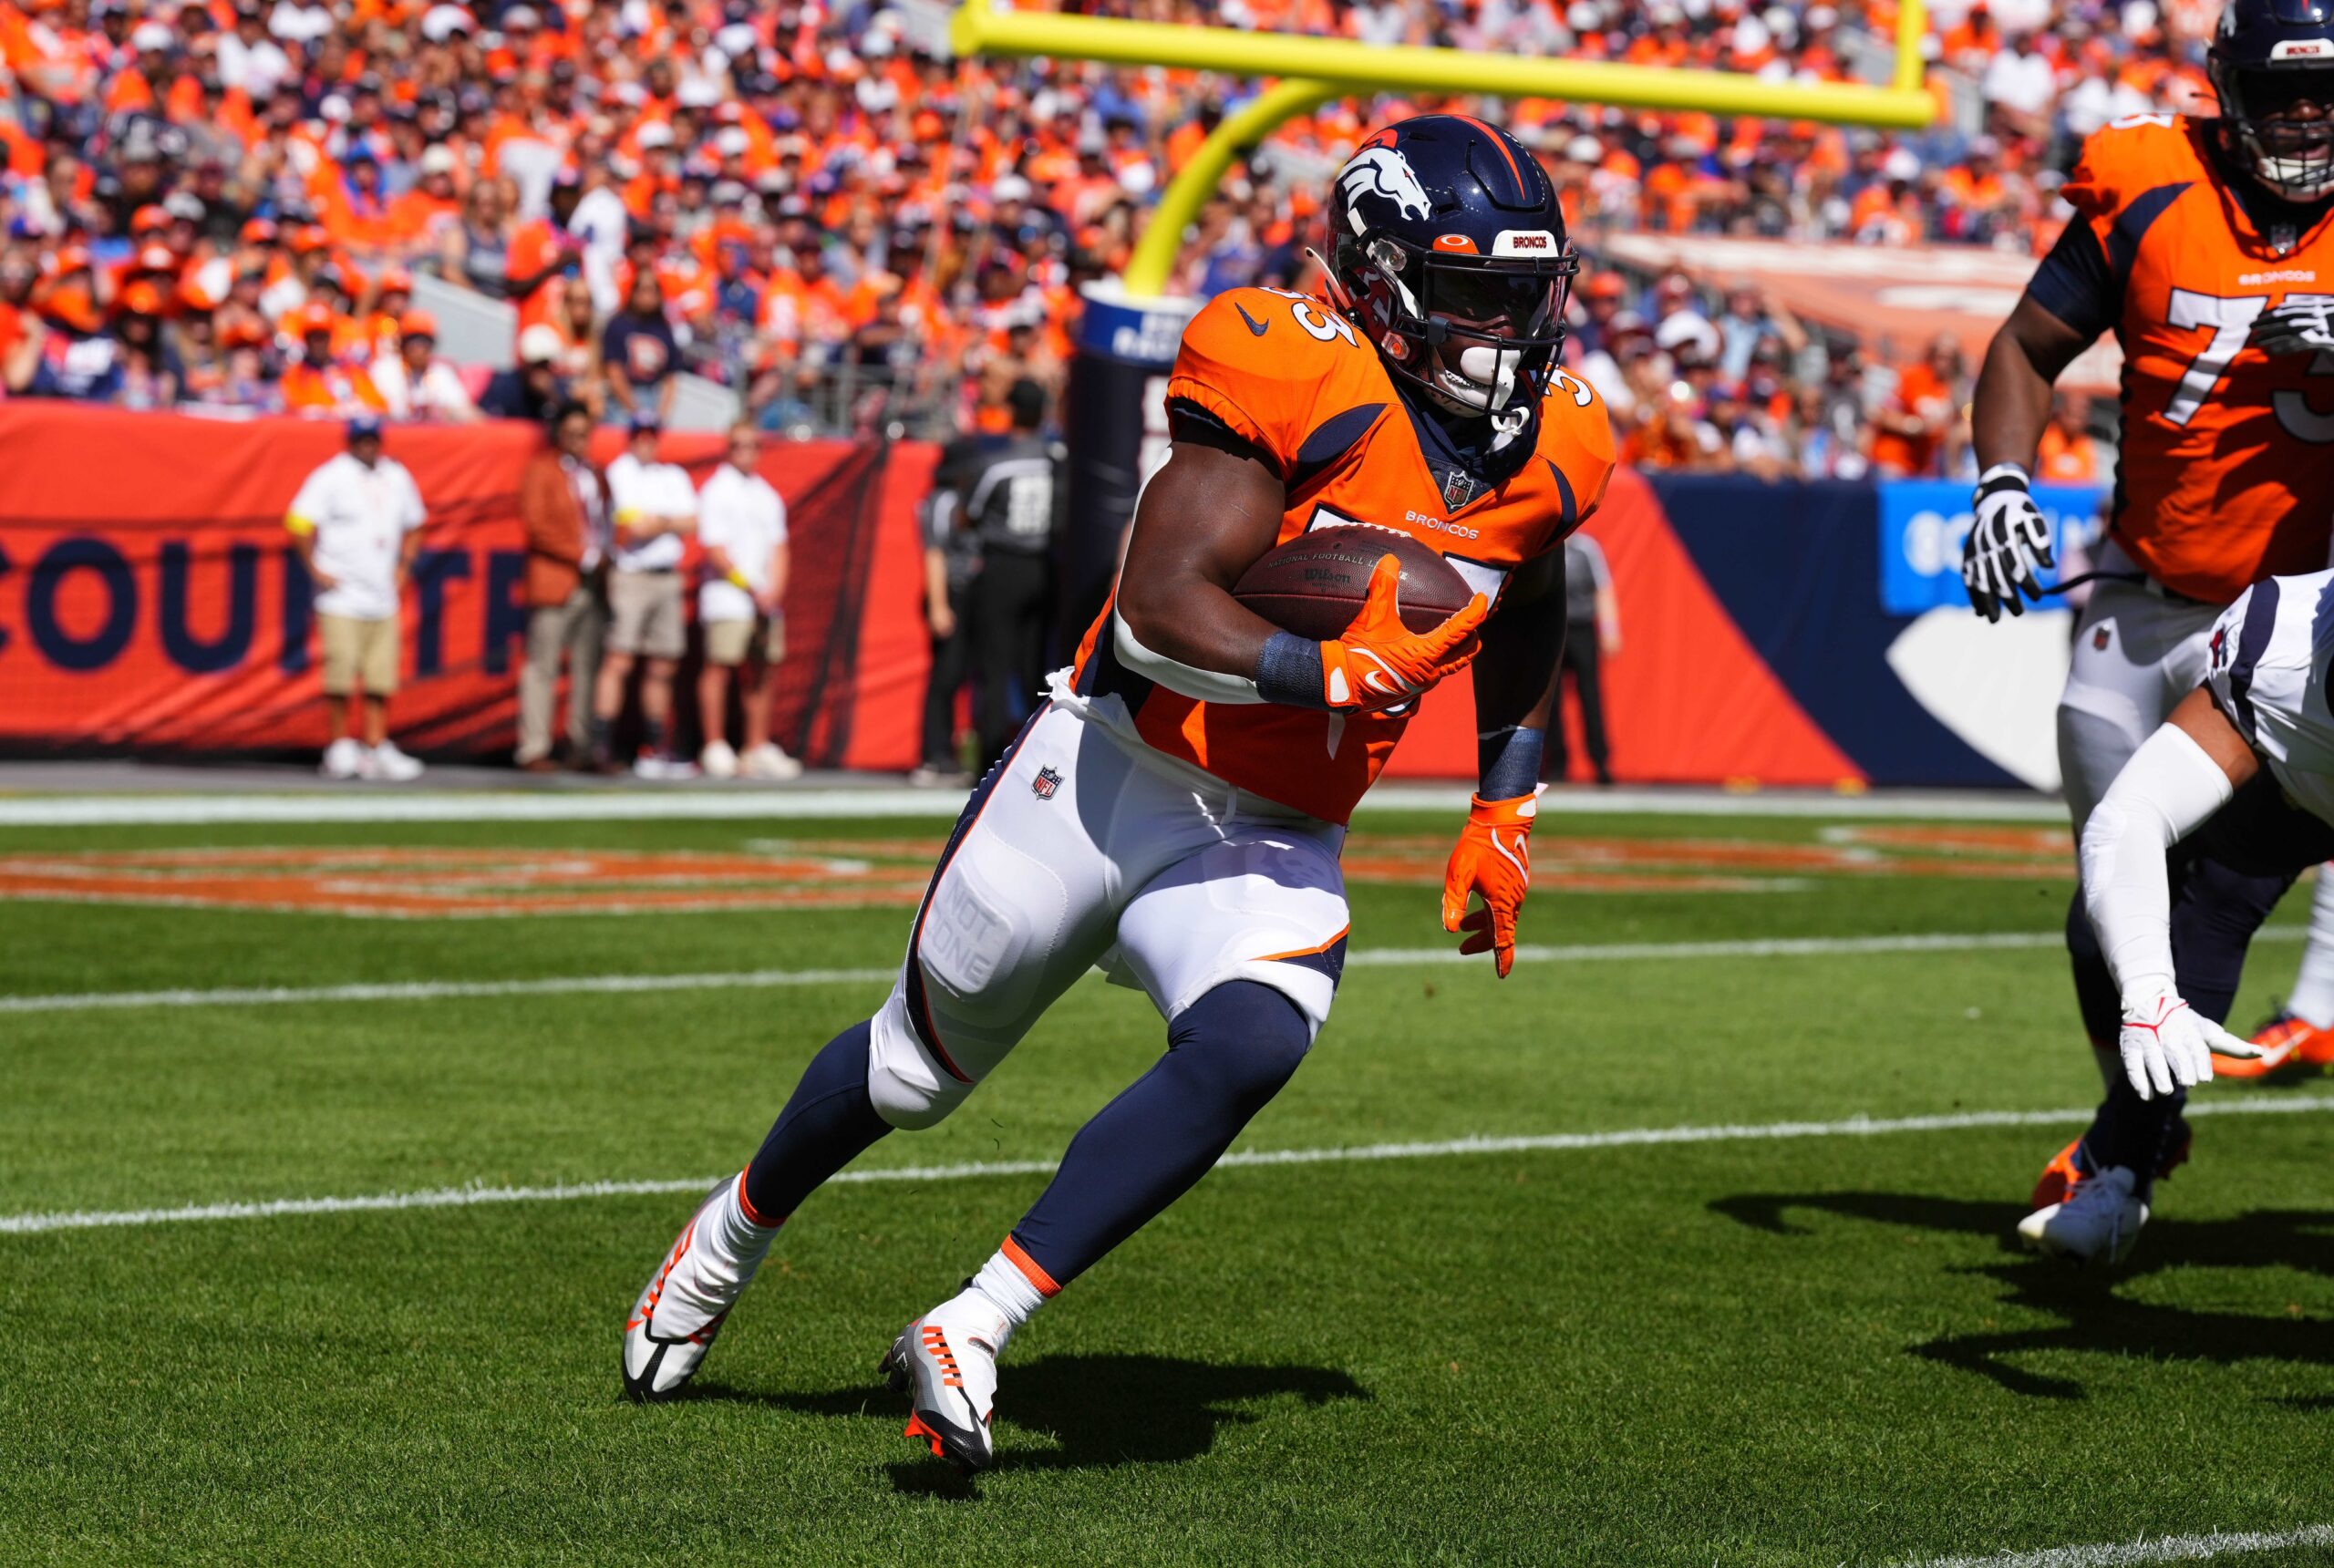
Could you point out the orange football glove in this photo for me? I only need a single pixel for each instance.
(1379, 662)
(1493, 858)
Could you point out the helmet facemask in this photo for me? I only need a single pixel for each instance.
(2280, 120)
(1471, 330)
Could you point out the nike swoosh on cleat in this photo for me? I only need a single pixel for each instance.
(1258, 327)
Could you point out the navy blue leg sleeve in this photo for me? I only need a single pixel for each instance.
(829, 1120)
(1227, 1054)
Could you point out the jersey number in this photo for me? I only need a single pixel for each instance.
(1309, 315)
(2230, 321)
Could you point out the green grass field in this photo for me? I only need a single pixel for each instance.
(1801, 1348)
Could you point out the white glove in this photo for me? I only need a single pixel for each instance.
(2164, 1041)
(2010, 540)
(2303, 325)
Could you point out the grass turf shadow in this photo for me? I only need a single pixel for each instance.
(1102, 1411)
(2095, 1315)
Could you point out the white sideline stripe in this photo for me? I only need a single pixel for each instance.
(1557, 1142)
(759, 979)
(2163, 1549)
(726, 804)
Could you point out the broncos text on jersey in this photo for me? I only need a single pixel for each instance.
(2227, 460)
(1292, 377)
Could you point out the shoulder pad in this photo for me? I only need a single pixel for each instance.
(2127, 158)
(1261, 360)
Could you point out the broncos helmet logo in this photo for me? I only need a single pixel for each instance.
(1383, 171)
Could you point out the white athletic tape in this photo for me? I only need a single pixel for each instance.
(1543, 1143)
(755, 979)
(2163, 1549)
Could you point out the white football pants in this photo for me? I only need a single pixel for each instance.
(1084, 847)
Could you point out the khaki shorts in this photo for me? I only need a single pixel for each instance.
(645, 615)
(360, 653)
(729, 642)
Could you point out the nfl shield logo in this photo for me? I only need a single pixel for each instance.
(1044, 785)
(1458, 489)
(2099, 639)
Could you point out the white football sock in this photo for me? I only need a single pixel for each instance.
(720, 1262)
(1005, 1286)
(2313, 996)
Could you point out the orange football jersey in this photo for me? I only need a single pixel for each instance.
(1293, 376)
(2227, 462)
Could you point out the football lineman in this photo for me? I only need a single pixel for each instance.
(2242, 773)
(2205, 247)
(1174, 812)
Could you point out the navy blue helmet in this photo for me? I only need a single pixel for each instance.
(1446, 243)
(2272, 65)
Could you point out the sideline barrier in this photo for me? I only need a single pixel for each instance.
(1805, 634)
(150, 599)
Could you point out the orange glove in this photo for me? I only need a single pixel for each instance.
(1378, 662)
(1493, 858)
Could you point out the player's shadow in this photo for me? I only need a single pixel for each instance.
(2094, 1313)
(1084, 1412)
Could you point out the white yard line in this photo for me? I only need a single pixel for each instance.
(1556, 1142)
(759, 979)
(726, 804)
(2163, 1549)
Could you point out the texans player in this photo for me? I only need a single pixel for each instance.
(2243, 770)
(2205, 247)
(1175, 810)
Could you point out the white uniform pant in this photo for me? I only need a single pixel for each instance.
(1083, 848)
(2137, 654)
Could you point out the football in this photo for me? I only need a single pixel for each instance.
(1315, 584)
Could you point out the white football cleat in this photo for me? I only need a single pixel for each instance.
(719, 760)
(659, 1358)
(2097, 1222)
(386, 763)
(344, 759)
(946, 1361)
(767, 761)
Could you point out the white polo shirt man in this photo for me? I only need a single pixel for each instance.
(741, 524)
(357, 525)
(654, 505)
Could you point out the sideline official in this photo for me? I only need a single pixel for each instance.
(356, 524)
(1013, 506)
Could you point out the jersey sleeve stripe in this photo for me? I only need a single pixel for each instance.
(2260, 621)
(1330, 440)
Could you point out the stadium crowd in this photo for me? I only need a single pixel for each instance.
(226, 202)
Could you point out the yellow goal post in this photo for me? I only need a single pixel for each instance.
(1311, 71)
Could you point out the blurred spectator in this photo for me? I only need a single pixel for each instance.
(640, 353)
(564, 506)
(2068, 455)
(655, 512)
(357, 525)
(1923, 427)
(413, 382)
(531, 388)
(741, 527)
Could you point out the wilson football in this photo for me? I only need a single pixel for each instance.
(1315, 584)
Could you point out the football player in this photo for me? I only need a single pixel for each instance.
(1174, 812)
(2205, 247)
(2243, 772)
